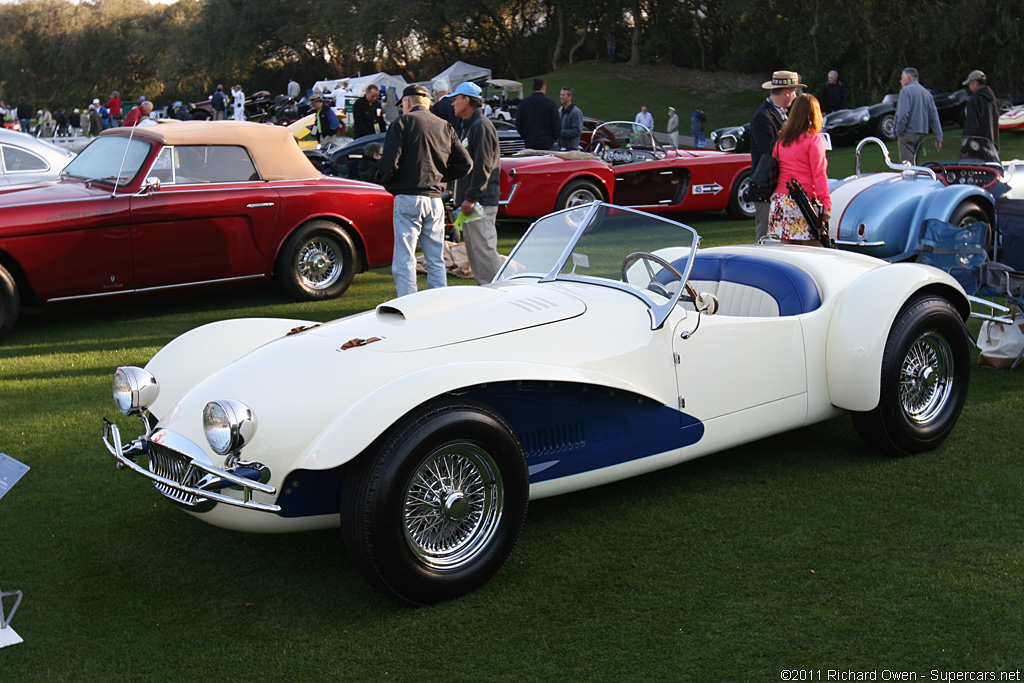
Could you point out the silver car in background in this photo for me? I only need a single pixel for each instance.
(27, 159)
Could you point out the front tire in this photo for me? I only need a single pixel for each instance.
(925, 373)
(10, 304)
(436, 511)
(317, 262)
(739, 207)
(887, 127)
(578, 193)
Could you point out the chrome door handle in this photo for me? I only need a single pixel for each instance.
(259, 206)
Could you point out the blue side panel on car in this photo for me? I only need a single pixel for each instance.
(567, 429)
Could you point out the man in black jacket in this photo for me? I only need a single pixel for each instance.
(981, 118)
(537, 118)
(482, 187)
(764, 130)
(421, 155)
(367, 114)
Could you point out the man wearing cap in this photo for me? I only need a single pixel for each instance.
(981, 118)
(219, 103)
(673, 126)
(442, 107)
(421, 155)
(764, 131)
(325, 123)
(537, 118)
(483, 184)
(916, 115)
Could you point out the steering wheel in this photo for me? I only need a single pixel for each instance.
(597, 146)
(654, 285)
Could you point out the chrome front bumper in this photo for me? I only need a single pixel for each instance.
(196, 481)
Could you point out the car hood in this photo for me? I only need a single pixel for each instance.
(47, 191)
(438, 317)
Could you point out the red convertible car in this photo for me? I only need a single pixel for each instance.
(182, 205)
(638, 173)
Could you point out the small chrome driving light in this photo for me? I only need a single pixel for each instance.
(228, 425)
(134, 389)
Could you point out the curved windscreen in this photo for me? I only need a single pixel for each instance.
(106, 160)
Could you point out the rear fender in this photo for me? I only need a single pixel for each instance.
(860, 325)
(380, 409)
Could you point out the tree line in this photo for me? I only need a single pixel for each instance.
(62, 54)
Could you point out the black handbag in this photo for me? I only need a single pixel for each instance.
(765, 177)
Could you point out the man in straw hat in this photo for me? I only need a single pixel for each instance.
(764, 131)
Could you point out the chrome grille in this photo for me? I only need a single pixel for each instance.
(510, 146)
(177, 467)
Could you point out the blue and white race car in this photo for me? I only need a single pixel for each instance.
(881, 214)
(608, 346)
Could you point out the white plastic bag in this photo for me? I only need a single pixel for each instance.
(1001, 344)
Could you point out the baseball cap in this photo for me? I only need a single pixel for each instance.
(468, 89)
(415, 91)
(975, 75)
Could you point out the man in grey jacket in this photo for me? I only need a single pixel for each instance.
(916, 115)
(482, 186)
(571, 121)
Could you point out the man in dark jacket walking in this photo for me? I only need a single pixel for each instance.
(421, 155)
(981, 118)
(482, 186)
(537, 118)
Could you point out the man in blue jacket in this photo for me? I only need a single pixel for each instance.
(537, 118)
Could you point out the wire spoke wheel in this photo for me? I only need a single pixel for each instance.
(926, 378)
(453, 505)
(320, 263)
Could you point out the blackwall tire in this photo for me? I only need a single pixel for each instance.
(318, 261)
(578, 193)
(434, 513)
(925, 375)
(887, 127)
(739, 207)
(9, 302)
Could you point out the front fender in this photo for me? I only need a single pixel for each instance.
(378, 410)
(859, 327)
(197, 354)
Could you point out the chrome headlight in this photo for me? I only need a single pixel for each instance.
(228, 425)
(134, 389)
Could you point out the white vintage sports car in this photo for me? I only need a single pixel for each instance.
(424, 426)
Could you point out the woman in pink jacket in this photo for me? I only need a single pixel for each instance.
(801, 154)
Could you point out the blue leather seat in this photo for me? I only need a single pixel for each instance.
(792, 288)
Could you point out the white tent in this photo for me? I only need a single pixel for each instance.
(357, 85)
(460, 72)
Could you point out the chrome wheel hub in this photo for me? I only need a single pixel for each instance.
(926, 378)
(319, 263)
(453, 505)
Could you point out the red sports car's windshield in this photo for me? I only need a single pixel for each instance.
(112, 159)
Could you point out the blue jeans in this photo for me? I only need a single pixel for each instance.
(418, 218)
(699, 139)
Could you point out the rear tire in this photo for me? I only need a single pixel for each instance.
(9, 302)
(925, 373)
(739, 207)
(435, 512)
(317, 262)
(577, 193)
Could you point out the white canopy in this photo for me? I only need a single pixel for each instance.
(460, 72)
(357, 85)
(511, 88)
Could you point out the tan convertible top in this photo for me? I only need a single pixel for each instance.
(273, 149)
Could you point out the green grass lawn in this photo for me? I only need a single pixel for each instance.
(802, 551)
